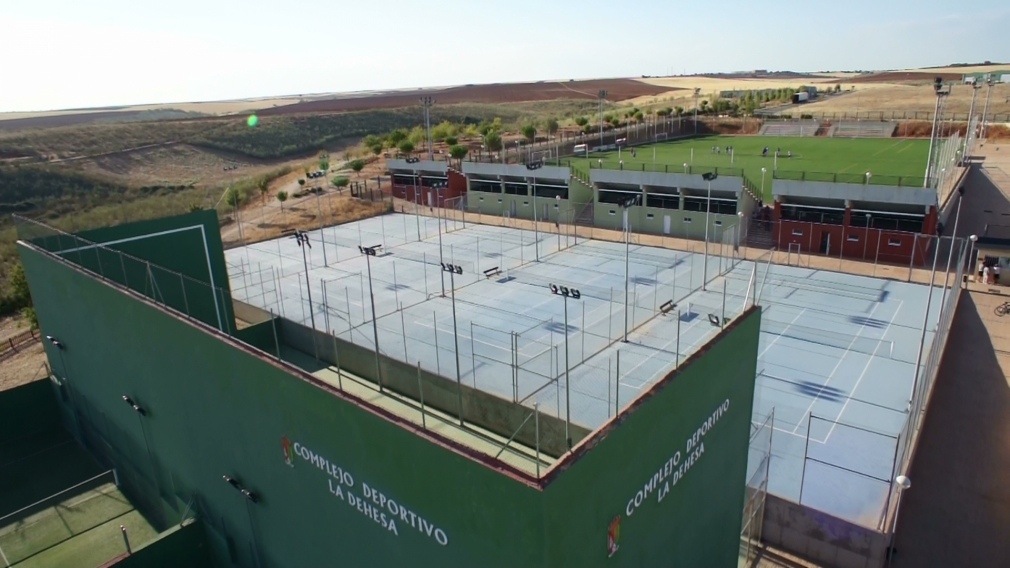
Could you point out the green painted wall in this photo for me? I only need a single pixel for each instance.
(688, 519)
(215, 408)
(189, 244)
(641, 223)
(184, 546)
(28, 409)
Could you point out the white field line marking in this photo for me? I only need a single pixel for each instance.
(852, 393)
(837, 365)
(779, 336)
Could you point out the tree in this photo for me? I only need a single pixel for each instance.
(341, 181)
(406, 146)
(301, 182)
(282, 196)
(493, 142)
(262, 184)
(679, 110)
(357, 166)
(324, 164)
(376, 149)
(552, 126)
(581, 121)
(838, 88)
(588, 128)
(662, 112)
(458, 151)
(17, 285)
(234, 197)
(396, 136)
(451, 140)
(370, 140)
(529, 132)
(639, 117)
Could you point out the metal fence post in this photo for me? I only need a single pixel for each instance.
(806, 447)
(420, 395)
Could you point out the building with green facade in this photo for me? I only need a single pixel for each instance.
(295, 447)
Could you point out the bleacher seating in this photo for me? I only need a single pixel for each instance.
(802, 128)
(863, 129)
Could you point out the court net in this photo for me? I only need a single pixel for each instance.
(855, 343)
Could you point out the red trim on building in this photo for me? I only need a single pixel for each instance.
(870, 244)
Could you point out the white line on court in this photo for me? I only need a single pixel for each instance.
(4, 556)
(779, 336)
(852, 393)
(837, 365)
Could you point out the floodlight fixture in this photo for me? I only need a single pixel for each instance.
(369, 251)
(903, 482)
(56, 343)
(134, 405)
(973, 238)
(709, 176)
(302, 238)
(232, 481)
(453, 268)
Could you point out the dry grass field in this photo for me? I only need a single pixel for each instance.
(908, 98)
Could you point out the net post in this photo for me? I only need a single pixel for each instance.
(677, 363)
(536, 414)
(273, 326)
(806, 447)
(438, 363)
(403, 329)
(185, 300)
(617, 387)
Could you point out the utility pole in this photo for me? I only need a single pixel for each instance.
(426, 102)
(601, 95)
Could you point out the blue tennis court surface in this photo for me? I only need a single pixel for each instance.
(834, 346)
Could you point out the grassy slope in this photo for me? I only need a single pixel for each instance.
(881, 156)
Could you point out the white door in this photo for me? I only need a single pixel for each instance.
(625, 220)
(666, 224)
(430, 200)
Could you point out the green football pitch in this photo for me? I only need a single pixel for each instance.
(888, 159)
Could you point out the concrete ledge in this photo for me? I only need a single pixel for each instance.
(855, 192)
(661, 179)
(419, 166)
(516, 170)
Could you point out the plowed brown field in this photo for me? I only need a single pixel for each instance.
(617, 90)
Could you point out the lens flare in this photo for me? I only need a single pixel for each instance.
(252, 120)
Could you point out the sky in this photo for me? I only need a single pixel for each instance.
(58, 54)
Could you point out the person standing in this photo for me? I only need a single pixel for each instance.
(995, 273)
(985, 274)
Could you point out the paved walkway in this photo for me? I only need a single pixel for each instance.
(957, 512)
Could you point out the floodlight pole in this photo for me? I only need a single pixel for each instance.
(950, 256)
(568, 405)
(970, 136)
(455, 336)
(375, 325)
(302, 238)
(627, 263)
(440, 259)
(708, 211)
(985, 109)
(938, 87)
(601, 95)
(925, 319)
(696, 91)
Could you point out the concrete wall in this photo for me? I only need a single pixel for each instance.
(479, 407)
(642, 223)
(28, 409)
(828, 540)
(855, 192)
(498, 203)
(421, 166)
(638, 179)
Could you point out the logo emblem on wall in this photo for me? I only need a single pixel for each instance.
(613, 536)
(289, 454)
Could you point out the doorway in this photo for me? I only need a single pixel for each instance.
(825, 243)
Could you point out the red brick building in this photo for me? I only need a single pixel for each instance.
(426, 182)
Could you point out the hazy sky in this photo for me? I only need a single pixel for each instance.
(73, 53)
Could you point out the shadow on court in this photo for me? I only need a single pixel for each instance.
(958, 509)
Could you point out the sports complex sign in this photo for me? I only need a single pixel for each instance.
(385, 511)
(666, 477)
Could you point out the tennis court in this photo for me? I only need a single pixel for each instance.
(837, 347)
